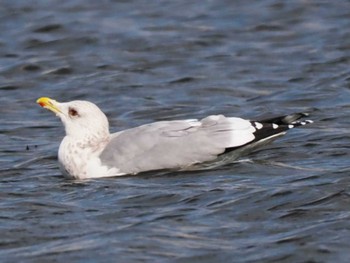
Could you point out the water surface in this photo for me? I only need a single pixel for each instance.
(146, 61)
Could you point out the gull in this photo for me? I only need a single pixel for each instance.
(89, 150)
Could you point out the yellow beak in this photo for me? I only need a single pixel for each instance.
(49, 104)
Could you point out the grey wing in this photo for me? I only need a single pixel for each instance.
(175, 144)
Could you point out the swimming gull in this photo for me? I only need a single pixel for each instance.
(89, 150)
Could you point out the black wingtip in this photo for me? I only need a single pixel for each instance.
(289, 119)
(269, 129)
(299, 123)
(286, 119)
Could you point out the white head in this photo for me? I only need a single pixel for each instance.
(83, 120)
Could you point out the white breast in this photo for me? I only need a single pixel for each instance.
(78, 162)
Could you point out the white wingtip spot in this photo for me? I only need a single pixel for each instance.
(258, 125)
(275, 126)
(290, 126)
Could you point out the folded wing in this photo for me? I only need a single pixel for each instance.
(175, 144)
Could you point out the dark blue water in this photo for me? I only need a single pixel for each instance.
(143, 61)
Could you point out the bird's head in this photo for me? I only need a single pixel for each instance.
(82, 119)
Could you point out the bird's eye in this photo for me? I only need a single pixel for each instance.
(73, 112)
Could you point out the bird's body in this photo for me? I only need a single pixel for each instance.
(89, 151)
